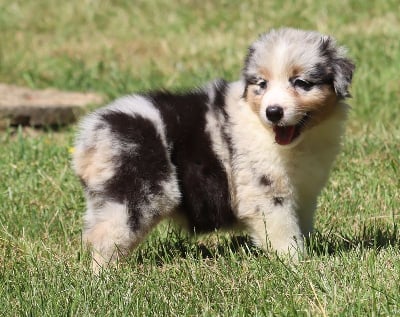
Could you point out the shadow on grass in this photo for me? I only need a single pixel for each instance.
(180, 246)
(370, 237)
(166, 250)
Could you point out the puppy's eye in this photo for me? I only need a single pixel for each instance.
(262, 84)
(303, 84)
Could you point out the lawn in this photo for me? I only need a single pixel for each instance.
(353, 267)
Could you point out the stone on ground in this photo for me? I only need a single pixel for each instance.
(25, 106)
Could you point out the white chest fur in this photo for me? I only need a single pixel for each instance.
(268, 177)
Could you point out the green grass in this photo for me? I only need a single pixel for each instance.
(354, 263)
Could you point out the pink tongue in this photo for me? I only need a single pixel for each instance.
(284, 135)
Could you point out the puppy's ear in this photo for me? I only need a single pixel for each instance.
(249, 66)
(342, 66)
(343, 69)
(247, 60)
(247, 69)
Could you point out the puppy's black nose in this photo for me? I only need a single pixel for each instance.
(274, 113)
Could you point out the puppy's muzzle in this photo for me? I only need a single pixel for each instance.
(284, 134)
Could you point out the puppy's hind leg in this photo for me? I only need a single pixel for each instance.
(109, 233)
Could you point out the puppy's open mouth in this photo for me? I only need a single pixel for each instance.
(285, 135)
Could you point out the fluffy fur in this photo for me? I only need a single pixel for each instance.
(251, 154)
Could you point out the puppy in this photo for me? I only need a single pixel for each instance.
(252, 154)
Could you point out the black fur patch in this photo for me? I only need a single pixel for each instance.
(141, 165)
(219, 104)
(249, 78)
(278, 201)
(321, 75)
(219, 87)
(203, 182)
(265, 180)
(250, 52)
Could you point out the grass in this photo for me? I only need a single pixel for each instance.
(354, 265)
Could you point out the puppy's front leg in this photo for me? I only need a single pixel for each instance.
(276, 225)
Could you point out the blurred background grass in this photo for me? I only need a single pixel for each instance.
(120, 46)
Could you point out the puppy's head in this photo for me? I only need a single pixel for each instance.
(294, 79)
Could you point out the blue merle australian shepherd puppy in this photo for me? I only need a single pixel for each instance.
(252, 154)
